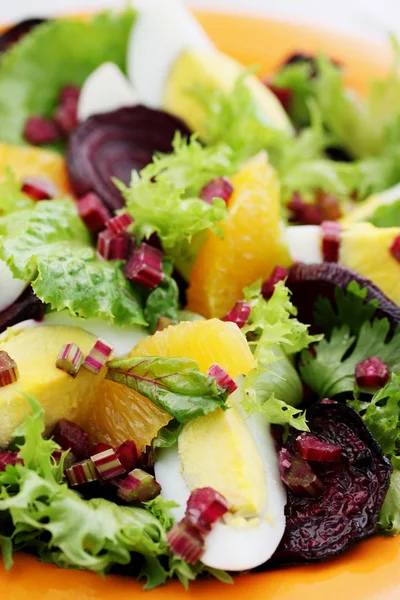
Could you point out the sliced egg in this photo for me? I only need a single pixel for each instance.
(122, 339)
(105, 89)
(304, 243)
(162, 31)
(10, 288)
(236, 456)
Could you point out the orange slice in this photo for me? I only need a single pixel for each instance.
(251, 247)
(28, 161)
(206, 342)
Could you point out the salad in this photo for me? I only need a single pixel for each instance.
(199, 302)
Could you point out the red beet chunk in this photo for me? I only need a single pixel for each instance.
(371, 373)
(28, 306)
(114, 144)
(70, 436)
(127, 453)
(18, 31)
(220, 187)
(66, 117)
(39, 188)
(298, 476)
(114, 247)
(39, 130)
(93, 212)
(9, 458)
(395, 248)
(145, 266)
(324, 208)
(69, 93)
(353, 489)
(204, 508)
(239, 314)
(330, 241)
(311, 448)
(279, 274)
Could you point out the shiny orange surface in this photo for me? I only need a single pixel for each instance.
(371, 570)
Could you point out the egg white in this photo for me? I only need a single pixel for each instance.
(304, 243)
(10, 288)
(105, 90)
(163, 29)
(228, 546)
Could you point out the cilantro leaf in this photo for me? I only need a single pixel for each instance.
(31, 75)
(351, 309)
(331, 371)
(173, 384)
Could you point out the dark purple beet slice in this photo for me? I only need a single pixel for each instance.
(354, 489)
(28, 306)
(113, 145)
(308, 282)
(18, 31)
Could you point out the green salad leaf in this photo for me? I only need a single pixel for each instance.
(298, 78)
(173, 384)
(12, 199)
(163, 198)
(389, 517)
(386, 215)
(54, 54)
(164, 300)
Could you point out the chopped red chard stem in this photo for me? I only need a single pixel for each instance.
(70, 436)
(371, 373)
(108, 464)
(8, 369)
(39, 130)
(114, 247)
(284, 94)
(299, 476)
(100, 448)
(204, 508)
(39, 188)
(128, 454)
(98, 356)
(66, 114)
(81, 472)
(268, 287)
(220, 187)
(222, 378)
(68, 93)
(138, 486)
(330, 241)
(239, 314)
(70, 359)
(9, 458)
(186, 541)
(311, 448)
(119, 223)
(144, 267)
(93, 212)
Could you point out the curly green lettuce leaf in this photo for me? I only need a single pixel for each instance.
(12, 199)
(162, 302)
(54, 54)
(173, 384)
(386, 215)
(298, 78)
(162, 198)
(389, 517)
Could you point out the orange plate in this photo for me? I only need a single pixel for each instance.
(371, 570)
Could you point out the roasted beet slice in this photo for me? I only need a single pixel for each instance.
(28, 306)
(15, 33)
(308, 282)
(353, 489)
(114, 144)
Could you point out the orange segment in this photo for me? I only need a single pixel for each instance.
(251, 247)
(27, 161)
(121, 414)
(206, 342)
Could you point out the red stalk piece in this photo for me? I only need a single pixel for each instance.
(139, 486)
(239, 314)
(108, 464)
(113, 246)
(66, 115)
(119, 223)
(70, 436)
(371, 373)
(268, 287)
(299, 476)
(39, 130)
(39, 188)
(283, 94)
(220, 187)
(8, 369)
(70, 359)
(222, 378)
(127, 453)
(9, 458)
(330, 241)
(98, 356)
(93, 212)
(311, 448)
(204, 507)
(100, 448)
(186, 541)
(81, 472)
(395, 248)
(145, 266)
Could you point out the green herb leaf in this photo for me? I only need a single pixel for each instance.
(55, 54)
(173, 384)
(389, 518)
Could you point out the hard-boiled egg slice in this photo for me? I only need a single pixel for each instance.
(105, 89)
(304, 243)
(122, 339)
(10, 288)
(162, 31)
(249, 537)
